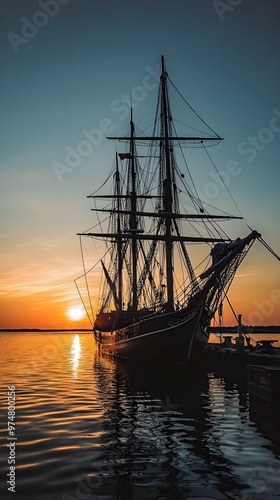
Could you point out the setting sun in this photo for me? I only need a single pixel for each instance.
(75, 313)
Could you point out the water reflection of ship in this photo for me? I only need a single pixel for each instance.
(159, 434)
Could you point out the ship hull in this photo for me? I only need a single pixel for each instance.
(176, 337)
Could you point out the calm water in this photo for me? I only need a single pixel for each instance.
(90, 428)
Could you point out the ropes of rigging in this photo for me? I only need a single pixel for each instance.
(218, 173)
(235, 315)
(193, 110)
(191, 178)
(189, 126)
(87, 287)
(246, 334)
(103, 184)
(266, 245)
(197, 202)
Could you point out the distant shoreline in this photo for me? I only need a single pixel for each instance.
(213, 329)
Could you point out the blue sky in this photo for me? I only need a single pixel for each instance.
(66, 77)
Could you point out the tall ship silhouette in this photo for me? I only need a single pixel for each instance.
(155, 302)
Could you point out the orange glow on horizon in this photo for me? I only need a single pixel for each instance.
(25, 312)
(255, 293)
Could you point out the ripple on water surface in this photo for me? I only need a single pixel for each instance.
(90, 427)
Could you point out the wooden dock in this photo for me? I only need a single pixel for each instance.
(263, 382)
(259, 367)
(231, 356)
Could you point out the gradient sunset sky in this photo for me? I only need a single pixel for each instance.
(69, 72)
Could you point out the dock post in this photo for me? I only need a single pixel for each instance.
(239, 339)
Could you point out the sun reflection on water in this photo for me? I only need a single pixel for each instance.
(76, 354)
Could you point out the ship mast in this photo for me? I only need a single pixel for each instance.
(133, 217)
(167, 188)
(119, 241)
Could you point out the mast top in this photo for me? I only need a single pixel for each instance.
(164, 73)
